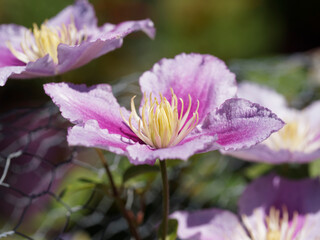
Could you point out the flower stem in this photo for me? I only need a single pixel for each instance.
(116, 195)
(165, 198)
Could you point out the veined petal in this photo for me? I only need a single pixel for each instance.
(241, 124)
(6, 72)
(143, 154)
(11, 32)
(78, 40)
(110, 31)
(82, 13)
(92, 135)
(297, 142)
(209, 224)
(205, 77)
(312, 113)
(80, 103)
(262, 153)
(102, 41)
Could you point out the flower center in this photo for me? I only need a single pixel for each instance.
(39, 42)
(160, 124)
(275, 226)
(296, 135)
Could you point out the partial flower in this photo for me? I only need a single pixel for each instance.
(297, 142)
(32, 145)
(271, 208)
(188, 107)
(67, 41)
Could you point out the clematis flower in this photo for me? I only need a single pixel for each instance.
(271, 208)
(67, 41)
(298, 141)
(188, 107)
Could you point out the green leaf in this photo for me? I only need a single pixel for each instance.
(314, 168)
(257, 170)
(172, 230)
(135, 171)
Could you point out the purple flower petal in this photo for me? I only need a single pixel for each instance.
(7, 58)
(91, 135)
(262, 153)
(98, 41)
(12, 33)
(301, 196)
(262, 95)
(304, 132)
(106, 40)
(241, 124)
(82, 12)
(204, 77)
(110, 31)
(312, 113)
(209, 224)
(143, 154)
(6, 72)
(78, 103)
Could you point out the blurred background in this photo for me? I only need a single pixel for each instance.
(273, 42)
(229, 29)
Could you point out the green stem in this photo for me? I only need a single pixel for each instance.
(117, 197)
(165, 198)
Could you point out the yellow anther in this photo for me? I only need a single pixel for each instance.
(160, 125)
(39, 42)
(296, 135)
(275, 226)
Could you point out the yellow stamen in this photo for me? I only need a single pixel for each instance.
(160, 125)
(296, 135)
(275, 226)
(39, 42)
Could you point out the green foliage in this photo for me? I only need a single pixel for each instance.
(172, 230)
(314, 168)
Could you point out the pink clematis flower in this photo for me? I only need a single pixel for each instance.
(271, 208)
(297, 142)
(188, 107)
(67, 41)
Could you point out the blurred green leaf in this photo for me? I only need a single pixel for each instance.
(314, 168)
(135, 171)
(257, 170)
(172, 230)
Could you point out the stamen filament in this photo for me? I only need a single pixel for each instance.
(160, 124)
(45, 40)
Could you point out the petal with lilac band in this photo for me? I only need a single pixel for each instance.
(204, 77)
(241, 124)
(143, 154)
(82, 13)
(209, 224)
(7, 59)
(80, 103)
(91, 135)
